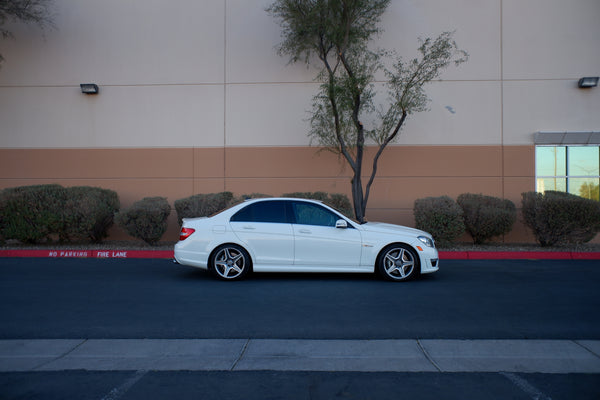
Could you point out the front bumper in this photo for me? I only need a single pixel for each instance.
(430, 261)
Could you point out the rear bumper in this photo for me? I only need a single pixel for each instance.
(184, 257)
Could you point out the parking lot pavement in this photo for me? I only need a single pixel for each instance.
(511, 356)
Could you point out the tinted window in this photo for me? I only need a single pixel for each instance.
(264, 211)
(313, 214)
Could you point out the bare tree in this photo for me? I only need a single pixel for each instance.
(26, 11)
(335, 34)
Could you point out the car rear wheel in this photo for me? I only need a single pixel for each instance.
(398, 262)
(230, 262)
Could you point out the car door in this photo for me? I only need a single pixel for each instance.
(265, 229)
(319, 243)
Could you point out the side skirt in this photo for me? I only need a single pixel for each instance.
(312, 268)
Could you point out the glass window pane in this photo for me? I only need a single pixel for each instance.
(266, 211)
(244, 215)
(312, 214)
(585, 187)
(558, 184)
(583, 161)
(550, 161)
(270, 211)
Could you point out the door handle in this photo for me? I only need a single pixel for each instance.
(304, 231)
(248, 227)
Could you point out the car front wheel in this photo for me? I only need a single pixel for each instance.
(230, 262)
(398, 262)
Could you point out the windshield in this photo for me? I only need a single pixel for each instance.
(345, 215)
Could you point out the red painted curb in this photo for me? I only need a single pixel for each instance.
(454, 255)
(518, 255)
(88, 253)
(586, 255)
(521, 255)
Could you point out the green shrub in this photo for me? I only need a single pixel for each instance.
(253, 196)
(336, 200)
(320, 196)
(2, 238)
(146, 219)
(441, 216)
(486, 216)
(244, 197)
(202, 205)
(558, 218)
(32, 213)
(342, 203)
(89, 213)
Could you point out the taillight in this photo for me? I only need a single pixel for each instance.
(185, 233)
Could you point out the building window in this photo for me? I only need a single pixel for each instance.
(573, 169)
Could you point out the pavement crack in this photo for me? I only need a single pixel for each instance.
(426, 354)
(586, 348)
(241, 355)
(66, 353)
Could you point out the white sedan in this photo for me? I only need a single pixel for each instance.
(297, 235)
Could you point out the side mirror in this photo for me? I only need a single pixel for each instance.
(341, 224)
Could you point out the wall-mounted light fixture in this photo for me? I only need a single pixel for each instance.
(89, 88)
(588, 82)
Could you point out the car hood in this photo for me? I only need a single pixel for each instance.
(391, 228)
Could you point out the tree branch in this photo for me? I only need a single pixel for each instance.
(380, 151)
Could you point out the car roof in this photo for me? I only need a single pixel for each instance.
(282, 198)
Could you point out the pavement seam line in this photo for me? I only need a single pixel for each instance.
(241, 355)
(525, 386)
(429, 358)
(119, 391)
(66, 353)
(586, 348)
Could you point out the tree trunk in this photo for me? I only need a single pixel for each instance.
(357, 198)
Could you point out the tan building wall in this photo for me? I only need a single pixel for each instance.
(405, 173)
(193, 98)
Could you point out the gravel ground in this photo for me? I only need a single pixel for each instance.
(139, 245)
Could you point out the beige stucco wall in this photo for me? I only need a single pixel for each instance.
(205, 73)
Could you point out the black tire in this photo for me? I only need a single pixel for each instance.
(398, 262)
(230, 262)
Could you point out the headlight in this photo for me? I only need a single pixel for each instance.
(426, 241)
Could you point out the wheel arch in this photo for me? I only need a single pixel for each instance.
(388, 245)
(218, 246)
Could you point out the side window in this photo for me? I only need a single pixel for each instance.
(264, 211)
(312, 214)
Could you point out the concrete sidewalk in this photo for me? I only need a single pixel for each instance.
(427, 355)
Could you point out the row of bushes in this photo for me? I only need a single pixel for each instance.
(555, 218)
(201, 205)
(32, 214)
(483, 217)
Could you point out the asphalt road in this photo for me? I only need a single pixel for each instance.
(137, 299)
(261, 385)
(94, 299)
